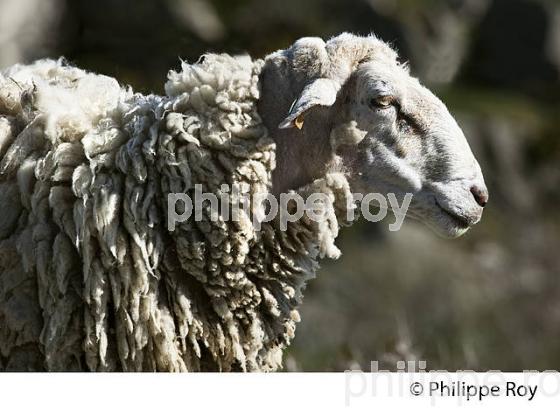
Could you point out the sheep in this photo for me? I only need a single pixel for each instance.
(91, 278)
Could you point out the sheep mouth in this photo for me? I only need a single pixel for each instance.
(460, 220)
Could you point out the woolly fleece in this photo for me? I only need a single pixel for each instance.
(90, 277)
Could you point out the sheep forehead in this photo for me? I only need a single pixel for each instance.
(383, 72)
(380, 78)
(339, 56)
(350, 48)
(369, 47)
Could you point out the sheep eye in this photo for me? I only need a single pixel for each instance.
(384, 101)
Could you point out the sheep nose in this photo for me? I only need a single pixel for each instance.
(480, 195)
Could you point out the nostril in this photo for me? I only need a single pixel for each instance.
(480, 195)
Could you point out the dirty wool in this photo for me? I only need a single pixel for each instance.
(90, 276)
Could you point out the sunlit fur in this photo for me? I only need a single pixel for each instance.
(90, 278)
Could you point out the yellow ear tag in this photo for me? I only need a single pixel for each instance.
(298, 122)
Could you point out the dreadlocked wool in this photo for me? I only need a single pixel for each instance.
(90, 277)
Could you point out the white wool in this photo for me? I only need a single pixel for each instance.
(89, 276)
(71, 100)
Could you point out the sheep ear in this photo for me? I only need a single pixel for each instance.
(322, 91)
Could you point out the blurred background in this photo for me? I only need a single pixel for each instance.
(489, 300)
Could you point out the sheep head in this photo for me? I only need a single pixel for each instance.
(349, 105)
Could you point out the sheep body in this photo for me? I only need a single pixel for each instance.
(90, 278)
